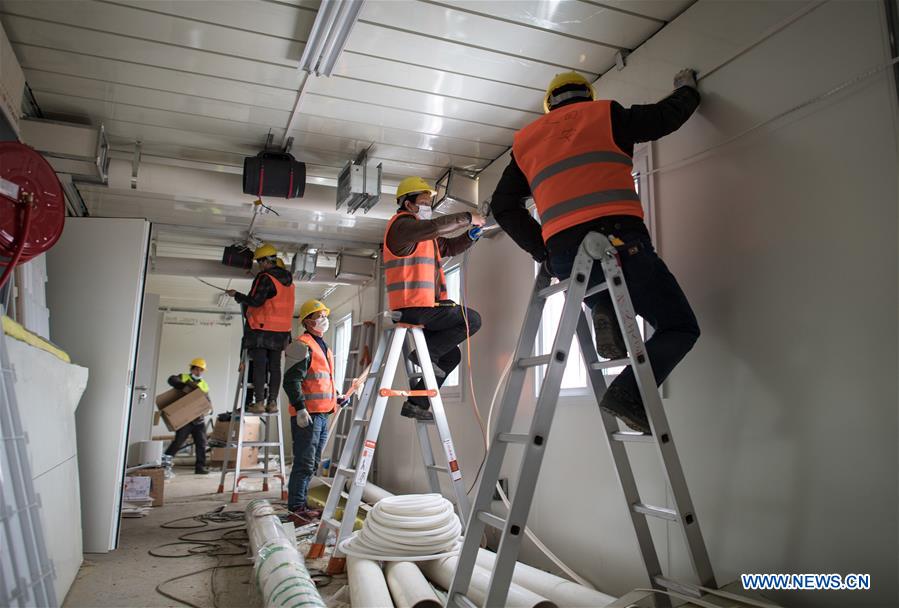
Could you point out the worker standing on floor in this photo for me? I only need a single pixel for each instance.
(414, 245)
(576, 162)
(309, 384)
(193, 381)
(269, 316)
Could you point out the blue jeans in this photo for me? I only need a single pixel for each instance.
(307, 453)
(656, 297)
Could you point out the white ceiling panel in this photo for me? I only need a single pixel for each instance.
(47, 82)
(151, 77)
(406, 76)
(576, 19)
(183, 140)
(403, 119)
(663, 10)
(423, 103)
(113, 46)
(273, 19)
(441, 22)
(351, 127)
(441, 55)
(151, 26)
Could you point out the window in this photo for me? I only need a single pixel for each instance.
(575, 376)
(454, 292)
(342, 331)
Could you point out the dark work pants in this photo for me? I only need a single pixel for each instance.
(308, 444)
(444, 330)
(266, 374)
(656, 296)
(196, 428)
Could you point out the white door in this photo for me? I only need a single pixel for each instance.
(95, 290)
(142, 400)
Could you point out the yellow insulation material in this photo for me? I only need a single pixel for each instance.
(14, 330)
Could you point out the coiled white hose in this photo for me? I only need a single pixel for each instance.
(411, 527)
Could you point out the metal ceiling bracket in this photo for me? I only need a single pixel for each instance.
(621, 59)
(135, 164)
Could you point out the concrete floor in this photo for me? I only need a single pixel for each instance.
(128, 576)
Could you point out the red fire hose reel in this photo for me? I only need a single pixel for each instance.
(32, 206)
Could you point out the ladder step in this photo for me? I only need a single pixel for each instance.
(347, 471)
(682, 588)
(534, 361)
(632, 436)
(463, 601)
(262, 415)
(553, 289)
(513, 438)
(660, 512)
(360, 421)
(610, 363)
(332, 523)
(434, 467)
(255, 444)
(252, 473)
(596, 289)
(492, 520)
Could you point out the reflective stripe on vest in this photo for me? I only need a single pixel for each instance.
(201, 384)
(415, 280)
(576, 171)
(318, 385)
(276, 313)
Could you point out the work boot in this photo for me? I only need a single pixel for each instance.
(201, 471)
(271, 407)
(410, 410)
(626, 407)
(609, 341)
(256, 408)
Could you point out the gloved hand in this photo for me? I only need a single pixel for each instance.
(342, 401)
(685, 78)
(303, 418)
(475, 233)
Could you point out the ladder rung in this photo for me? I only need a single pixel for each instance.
(611, 363)
(632, 436)
(255, 444)
(463, 601)
(682, 588)
(434, 467)
(252, 473)
(333, 523)
(513, 438)
(554, 288)
(346, 471)
(596, 289)
(492, 520)
(660, 512)
(534, 361)
(360, 420)
(262, 415)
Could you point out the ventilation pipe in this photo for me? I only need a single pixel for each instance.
(368, 589)
(441, 571)
(409, 587)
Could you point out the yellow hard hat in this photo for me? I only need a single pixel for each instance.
(201, 363)
(564, 79)
(411, 185)
(313, 306)
(264, 251)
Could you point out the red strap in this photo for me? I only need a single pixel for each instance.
(261, 179)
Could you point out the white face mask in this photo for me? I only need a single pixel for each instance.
(322, 324)
(425, 212)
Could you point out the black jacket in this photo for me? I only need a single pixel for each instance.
(262, 290)
(629, 126)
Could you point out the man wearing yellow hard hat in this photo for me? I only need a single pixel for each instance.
(192, 381)
(576, 163)
(309, 384)
(269, 316)
(414, 246)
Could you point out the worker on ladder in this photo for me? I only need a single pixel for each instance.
(414, 245)
(576, 162)
(192, 380)
(269, 316)
(309, 384)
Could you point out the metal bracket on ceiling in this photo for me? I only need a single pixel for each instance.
(621, 58)
(288, 145)
(268, 140)
(135, 164)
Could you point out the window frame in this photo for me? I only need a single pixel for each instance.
(454, 392)
(345, 320)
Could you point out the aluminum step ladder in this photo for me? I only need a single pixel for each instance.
(358, 357)
(356, 458)
(595, 248)
(236, 440)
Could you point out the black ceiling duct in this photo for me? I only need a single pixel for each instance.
(276, 174)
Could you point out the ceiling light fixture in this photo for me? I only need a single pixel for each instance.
(329, 34)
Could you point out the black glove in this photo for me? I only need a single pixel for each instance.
(342, 401)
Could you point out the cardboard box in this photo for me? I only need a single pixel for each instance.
(250, 457)
(157, 483)
(251, 430)
(180, 408)
(137, 487)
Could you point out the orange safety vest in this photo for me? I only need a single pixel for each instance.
(414, 280)
(276, 313)
(318, 385)
(576, 171)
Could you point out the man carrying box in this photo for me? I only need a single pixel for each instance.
(197, 428)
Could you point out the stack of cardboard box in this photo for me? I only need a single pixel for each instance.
(251, 432)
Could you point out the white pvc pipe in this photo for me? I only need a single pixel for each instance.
(409, 587)
(368, 589)
(555, 588)
(281, 574)
(441, 571)
(372, 493)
